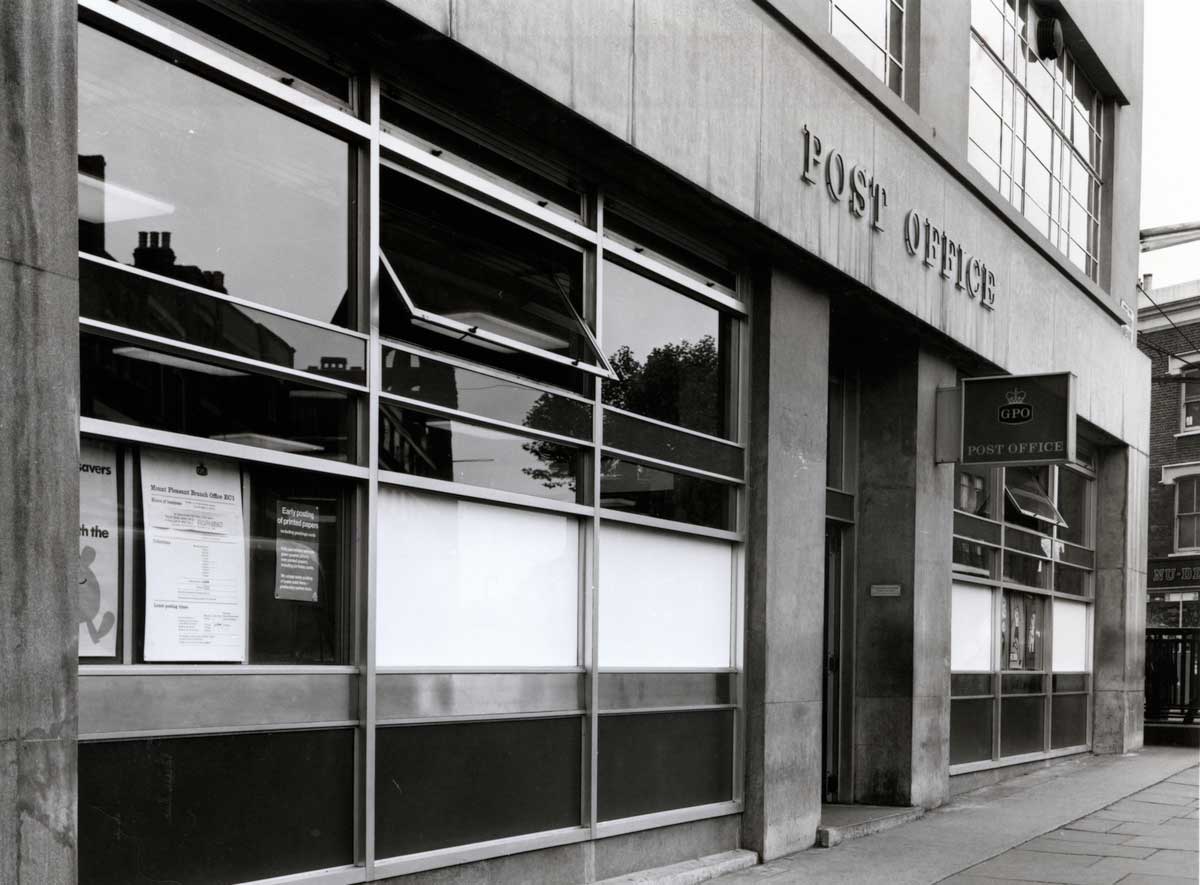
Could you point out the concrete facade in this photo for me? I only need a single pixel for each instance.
(712, 99)
(38, 419)
(783, 641)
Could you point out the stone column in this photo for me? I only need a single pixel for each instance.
(39, 471)
(1119, 635)
(785, 593)
(902, 643)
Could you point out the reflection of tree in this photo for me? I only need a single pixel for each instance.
(678, 383)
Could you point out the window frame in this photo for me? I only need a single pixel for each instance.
(890, 61)
(1184, 400)
(1055, 221)
(1193, 480)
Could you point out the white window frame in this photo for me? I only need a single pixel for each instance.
(1191, 513)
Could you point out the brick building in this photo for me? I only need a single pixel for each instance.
(1169, 334)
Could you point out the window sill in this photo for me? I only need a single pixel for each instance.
(1193, 432)
(1179, 554)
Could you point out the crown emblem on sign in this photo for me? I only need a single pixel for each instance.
(1015, 397)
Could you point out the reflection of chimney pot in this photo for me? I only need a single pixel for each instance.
(166, 239)
(142, 239)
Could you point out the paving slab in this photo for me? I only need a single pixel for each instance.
(1060, 846)
(1032, 829)
(1085, 836)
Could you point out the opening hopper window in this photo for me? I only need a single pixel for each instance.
(1027, 501)
(462, 273)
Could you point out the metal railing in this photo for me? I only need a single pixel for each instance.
(1172, 675)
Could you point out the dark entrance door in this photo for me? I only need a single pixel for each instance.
(831, 696)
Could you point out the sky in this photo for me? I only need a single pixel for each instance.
(1171, 134)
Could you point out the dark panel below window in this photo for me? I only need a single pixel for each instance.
(1068, 721)
(637, 488)
(1022, 721)
(970, 730)
(461, 783)
(666, 444)
(204, 810)
(660, 761)
(970, 684)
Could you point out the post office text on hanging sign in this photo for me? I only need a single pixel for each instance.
(1018, 419)
(866, 197)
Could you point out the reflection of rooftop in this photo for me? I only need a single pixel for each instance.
(338, 368)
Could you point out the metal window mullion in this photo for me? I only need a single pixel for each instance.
(369, 253)
(127, 555)
(997, 666)
(592, 661)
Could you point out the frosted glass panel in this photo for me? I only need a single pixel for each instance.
(467, 584)
(1070, 637)
(664, 599)
(970, 628)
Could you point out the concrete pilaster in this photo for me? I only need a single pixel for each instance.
(1120, 609)
(785, 566)
(902, 643)
(39, 472)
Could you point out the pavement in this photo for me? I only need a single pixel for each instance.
(1088, 820)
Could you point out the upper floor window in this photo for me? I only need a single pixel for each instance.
(1189, 406)
(874, 31)
(1187, 513)
(1034, 129)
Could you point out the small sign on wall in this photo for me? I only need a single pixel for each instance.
(885, 589)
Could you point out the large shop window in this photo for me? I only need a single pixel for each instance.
(221, 562)
(1021, 612)
(469, 584)
(1035, 129)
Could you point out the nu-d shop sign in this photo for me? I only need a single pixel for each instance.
(1018, 419)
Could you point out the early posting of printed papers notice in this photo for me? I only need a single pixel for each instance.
(195, 559)
(296, 558)
(98, 587)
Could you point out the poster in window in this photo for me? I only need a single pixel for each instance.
(195, 558)
(1016, 639)
(97, 592)
(297, 561)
